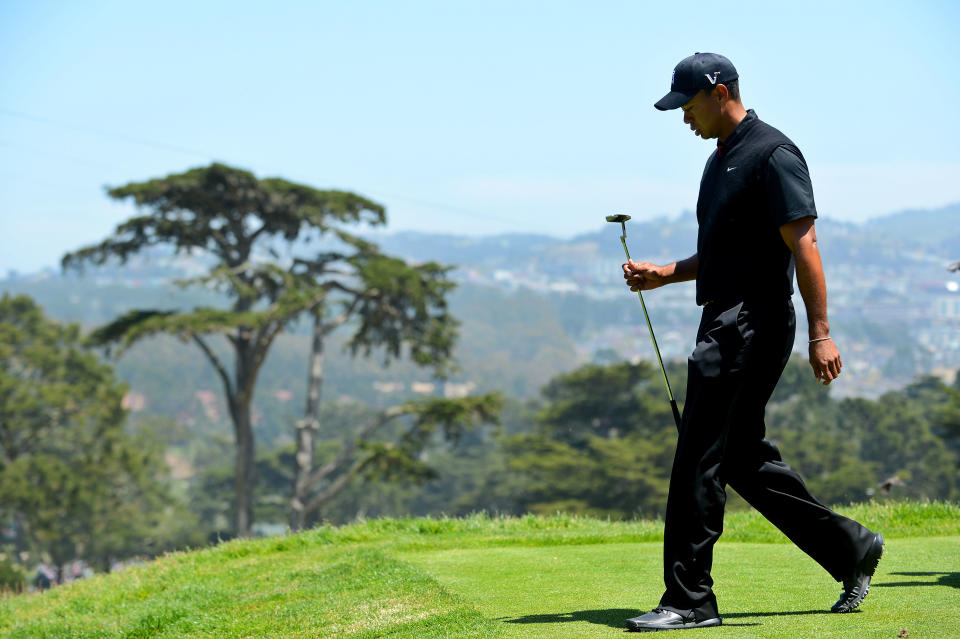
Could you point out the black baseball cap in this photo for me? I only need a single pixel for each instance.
(699, 71)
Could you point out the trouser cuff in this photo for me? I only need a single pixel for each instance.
(700, 613)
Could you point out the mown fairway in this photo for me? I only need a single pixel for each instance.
(765, 590)
(479, 577)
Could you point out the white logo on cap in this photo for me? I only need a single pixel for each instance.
(712, 80)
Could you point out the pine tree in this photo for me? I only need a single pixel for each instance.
(232, 217)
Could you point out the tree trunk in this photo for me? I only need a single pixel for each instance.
(102, 562)
(307, 427)
(19, 533)
(244, 477)
(249, 354)
(244, 375)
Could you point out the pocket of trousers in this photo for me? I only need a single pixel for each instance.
(721, 346)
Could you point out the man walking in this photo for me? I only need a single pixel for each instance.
(756, 226)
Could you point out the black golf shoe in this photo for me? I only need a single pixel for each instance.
(856, 587)
(661, 619)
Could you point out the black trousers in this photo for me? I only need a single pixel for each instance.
(741, 351)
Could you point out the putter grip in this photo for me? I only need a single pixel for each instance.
(676, 413)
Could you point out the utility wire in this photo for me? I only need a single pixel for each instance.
(444, 207)
(194, 152)
(61, 156)
(106, 134)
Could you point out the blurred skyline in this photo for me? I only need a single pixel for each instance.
(460, 117)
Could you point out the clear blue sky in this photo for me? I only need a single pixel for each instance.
(470, 117)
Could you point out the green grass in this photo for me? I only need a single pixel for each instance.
(894, 519)
(250, 589)
(764, 590)
(479, 576)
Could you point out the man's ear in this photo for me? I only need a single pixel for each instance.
(721, 93)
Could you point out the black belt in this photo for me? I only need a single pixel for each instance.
(731, 301)
(723, 301)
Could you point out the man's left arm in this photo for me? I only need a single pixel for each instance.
(801, 236)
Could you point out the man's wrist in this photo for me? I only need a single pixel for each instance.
(667, 272)
(819, 329)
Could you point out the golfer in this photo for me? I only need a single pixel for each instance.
(756, 226)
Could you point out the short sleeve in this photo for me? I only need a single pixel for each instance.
(788, 187)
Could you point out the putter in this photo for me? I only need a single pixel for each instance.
(622, 219)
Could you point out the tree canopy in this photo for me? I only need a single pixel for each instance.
(240, 221)
(75, 483)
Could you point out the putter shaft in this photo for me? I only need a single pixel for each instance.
(653, 338)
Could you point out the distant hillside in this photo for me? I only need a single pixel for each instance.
(533, 306)
(874, 242)
(662, 238)
(658, 237)
(933, 227)
(509, 341)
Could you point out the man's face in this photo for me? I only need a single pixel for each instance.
(702, 113)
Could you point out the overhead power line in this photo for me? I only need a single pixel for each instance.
(106, 134)
(441, 206)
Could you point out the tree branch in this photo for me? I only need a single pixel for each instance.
(391, 413)
(319, 265)
(218, 365)
(270, 329)
(333, 284)
(342, 318)
(221, 242)
(261, 346)
(337, 486)
(253, 236)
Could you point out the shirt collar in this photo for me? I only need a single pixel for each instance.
(723, 147)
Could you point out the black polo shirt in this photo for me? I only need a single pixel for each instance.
(754, 183)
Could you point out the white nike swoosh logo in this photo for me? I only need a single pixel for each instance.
(731, 168)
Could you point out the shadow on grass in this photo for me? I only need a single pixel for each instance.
(612, 617)
(785, 613)
(949, 579)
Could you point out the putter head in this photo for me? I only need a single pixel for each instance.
(622, 219)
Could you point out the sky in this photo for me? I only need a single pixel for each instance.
(475, 118)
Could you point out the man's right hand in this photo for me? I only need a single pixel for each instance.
(643, 276)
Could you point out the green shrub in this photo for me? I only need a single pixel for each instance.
(11, 577)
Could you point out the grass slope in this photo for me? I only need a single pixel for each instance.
(285, 589)
(478, 577)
